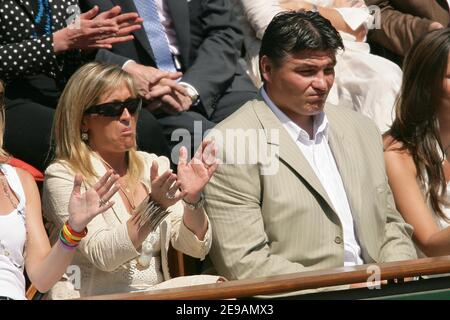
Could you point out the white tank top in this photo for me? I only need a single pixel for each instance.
(12, 241)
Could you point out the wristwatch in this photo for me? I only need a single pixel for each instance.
(191, 92)
(197, 205)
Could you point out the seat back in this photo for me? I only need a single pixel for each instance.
(181, 264)
(17, 163)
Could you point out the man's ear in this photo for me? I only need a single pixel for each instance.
(266, 68)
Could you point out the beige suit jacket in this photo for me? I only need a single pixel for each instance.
(285, 222)
(405, 21)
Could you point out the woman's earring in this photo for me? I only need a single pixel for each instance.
(84, 136)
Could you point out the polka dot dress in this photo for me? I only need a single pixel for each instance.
(25, 52)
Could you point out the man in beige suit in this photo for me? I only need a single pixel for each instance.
(312, 192)
(404, 21)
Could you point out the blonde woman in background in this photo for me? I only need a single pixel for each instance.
(24, 244)
(95, 131)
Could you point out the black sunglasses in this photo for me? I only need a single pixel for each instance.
(115, 109)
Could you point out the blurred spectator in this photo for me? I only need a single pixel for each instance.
(402, 22)
(417, 146)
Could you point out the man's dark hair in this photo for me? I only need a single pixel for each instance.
(295, 31)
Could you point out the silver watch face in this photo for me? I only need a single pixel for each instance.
(193, 95)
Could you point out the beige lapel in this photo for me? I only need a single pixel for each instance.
(344, 157)
(288, 151)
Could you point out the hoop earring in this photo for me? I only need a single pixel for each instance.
(84, 136)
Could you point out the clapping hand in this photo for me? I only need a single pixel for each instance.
(164, 187)
(92, 31)
(192, 177)
(83, 207)
(127, 23)
(195, 174)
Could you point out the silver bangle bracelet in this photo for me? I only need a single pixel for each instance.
(150, 212)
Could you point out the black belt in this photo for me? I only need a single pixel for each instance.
(5, 298)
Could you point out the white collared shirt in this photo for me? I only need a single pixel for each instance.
(321, 160)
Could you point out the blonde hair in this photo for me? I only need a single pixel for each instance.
(4, 156)
(85, 88)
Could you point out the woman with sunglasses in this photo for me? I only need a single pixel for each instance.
(24, 244)
(95, 131)
(418, 144)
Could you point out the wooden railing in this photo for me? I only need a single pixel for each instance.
(291, 282)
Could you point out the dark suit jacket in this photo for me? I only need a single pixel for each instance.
(404, 21)
(209, 40)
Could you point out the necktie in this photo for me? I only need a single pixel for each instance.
(155, 32)
(42, 18)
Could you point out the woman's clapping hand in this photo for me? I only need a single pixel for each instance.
(192, 177)
(195, 174)
(92, 30)
(83, 207)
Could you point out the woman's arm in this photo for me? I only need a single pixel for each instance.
(259, 13)
(46, 265)
(192, 178)
(107, 246)
(410, 202)
(27, 57)
(330, 13)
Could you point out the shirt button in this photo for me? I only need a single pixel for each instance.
(338, 240)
